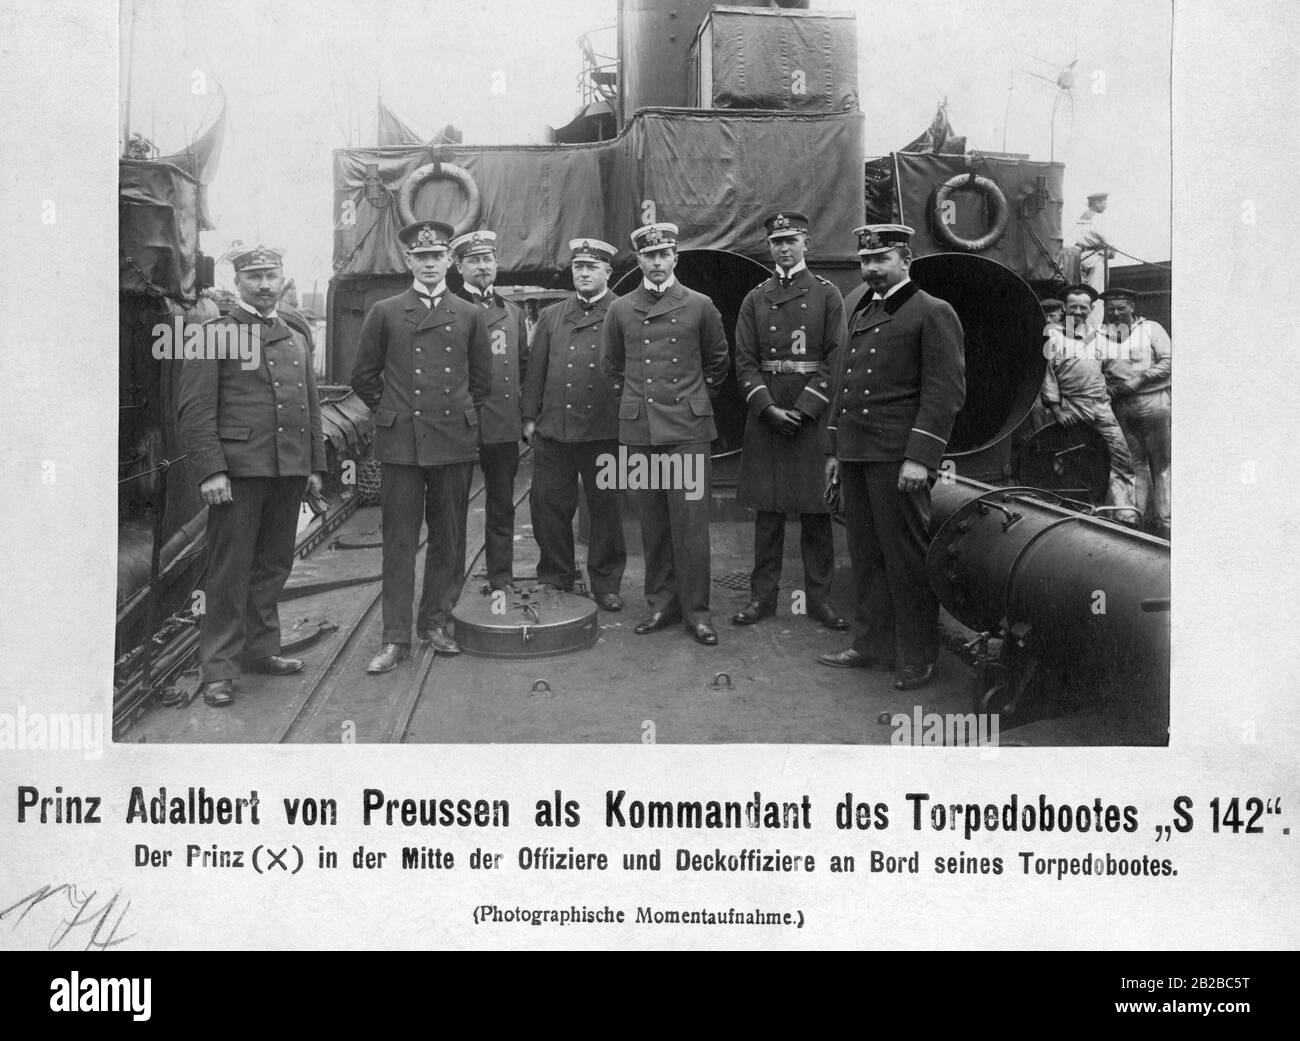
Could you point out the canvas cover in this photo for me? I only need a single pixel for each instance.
(158, 222)
(716, 175)
(771, 59)
(1032, 239)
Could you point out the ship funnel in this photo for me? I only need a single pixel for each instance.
(1003, 324)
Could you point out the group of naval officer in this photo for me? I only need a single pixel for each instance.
(849, 401)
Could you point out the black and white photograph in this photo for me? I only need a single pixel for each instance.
(819, 390)
(649, 474)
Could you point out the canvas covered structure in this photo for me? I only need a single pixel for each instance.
(159, 218)
(769, 58)
(1032, 238)
(716, 175)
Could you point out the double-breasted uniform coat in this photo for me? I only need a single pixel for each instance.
(423, 371)
(500, 427)
(796, 326)
(576, 415)
(899, 386)
(665, 355)
(261, 426)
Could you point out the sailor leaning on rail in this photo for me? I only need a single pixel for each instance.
(1074, 391)
(899, 386)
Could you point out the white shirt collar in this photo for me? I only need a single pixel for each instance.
(591, 300)
(895, 288)
(254, 311)
(658, 290)
(801, 266)
(420, 287)
(476, 291)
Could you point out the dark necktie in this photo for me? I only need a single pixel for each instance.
(431, 301)
(484, 300)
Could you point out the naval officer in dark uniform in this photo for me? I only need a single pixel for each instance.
(571, 420)
(500, 423)
(424, 367)
(787, 342)
(899, 386)
(253, 436)
(665, 354)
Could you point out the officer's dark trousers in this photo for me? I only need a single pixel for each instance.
(553, 500)
(408, 495)
(815, 540)
(500, 463)
(897, 615)
(250, 554)
(675, 533)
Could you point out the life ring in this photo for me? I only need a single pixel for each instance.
(996, 201)
(432, 172)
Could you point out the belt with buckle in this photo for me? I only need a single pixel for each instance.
(785, 368)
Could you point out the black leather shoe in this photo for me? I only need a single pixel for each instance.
(703, 632)
(609, 601)
(219, 693)
(754, 611)
(851, 659)
(388, 658)
(274, 665)
(658, 620)
(914, 677)
(828, 616)
(439, 640)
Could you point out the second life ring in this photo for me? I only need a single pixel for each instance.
(432, 172)
(999, 210)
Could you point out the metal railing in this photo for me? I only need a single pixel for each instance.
(598, 80)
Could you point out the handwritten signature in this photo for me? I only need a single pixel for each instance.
(96, 924)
